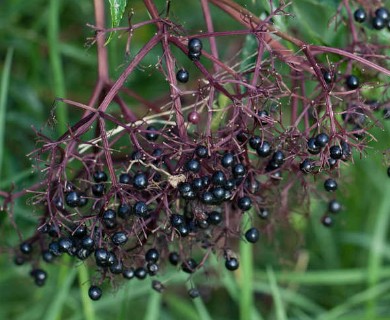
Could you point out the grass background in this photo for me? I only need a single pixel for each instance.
(339, 273)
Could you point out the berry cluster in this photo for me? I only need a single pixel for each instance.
(172, 187)
(379, 21)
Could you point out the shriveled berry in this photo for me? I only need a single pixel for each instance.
(119, 238)
(334, 206)
(330, 185)
(252, 235)
(152, 268)
(244, 203)
(360, 15)
(94, 293)
(182, 76)
(352, 82)
(232, 264)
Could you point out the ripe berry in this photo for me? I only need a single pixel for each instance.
(25, 248)
(264, 149)
(128, 273)
(39, 276)
(242, 136)
(378, 23)
(19, 260)
(72, 199)
(227, 160)
(152, 255)
(140, 273)
(174, 258)
(100, 176)
(94, 292)
(332, 162)
(327, 75)
(98, 189)
(252, 185)
(124, 211)
(382, 13)
(152, 134)
(195, 45)
(306, 166)
(327, 221)
(334, 206)
(312, 146)
(183, 230)
(321, 140)
(119, 238)
(218, 178)
(140, 209)
(194, 56)
(214, 217)
(197, 184)
(278, 158)
(262, 114)
(47, 256)
(193, 165)
(218, 193)
(109, 218)
(140, 181)
(254, 141)
(252, 235)
(176, 220)
(136, 155)
(87, 242)
(201, 151)
(352, 82)
(152, 268)
(66, 244)
(54, 248)
(232, 264)
(193, 117)
(335, 152)
(189, 265)
(244, 203)
(207, 197)
(263, 213)
(124, 178)
(117, 267)
(182, 76)
(330, 185)
(360, 15)
(238, 170)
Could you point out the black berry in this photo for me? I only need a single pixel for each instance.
(382, 13)
(244, 203)
(232, 264)
(182, 76)
(264, 149)
(334, 206)
(201, 151)
(330, 185)
(100, 176)
(352, 82)
(252, 235)
(321, 140)
(227, 160)
(152, 134)
(327, 221)
(335, 152)
(140, 181)
(174, 258)
(94, 292)
(195, 45)
(140, 209)
(359, 15)
(193, 165)
(119, 238)
(152, 255)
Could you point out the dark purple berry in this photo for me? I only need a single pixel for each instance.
(182, 76)
(152, 134)
(140, 273)
(94, 292)
(201, 151)
(72, 199)
(322, 140)
(174, 258)
(382, 13)
(124, 178)
(360, 15)
(334, 206)
(252, 235)
(100, 176)
(244, 203)
(140, 209)
(312, 146)
(264, 149)
(335, 152)
(193, 165)
(119, 238)
(189, 265)
(25, 248)
(330, 185)
(227, 160)
(306, 166)
(352, 82)
(327, 221)
(152, 255)
(232, 264)
(195, 45)
(98, 189)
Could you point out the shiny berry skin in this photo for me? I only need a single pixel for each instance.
(176, 220)
(39, 276)
(263, 213)
(218, 178)
(327, 221)
(152, 135)
(242, 136)
(227, 160)
(193, 117)
(140, 209)
(382, 13)
(152, 255)
(193, 293)
(335, 152)
(378, 23)
(117, 267)
(218, 193)
(72, 199)
(194, 56)
(174, 258)
(197, 184)
(152, 268)
(254, 141)
(312, 147)
(352, 82)
(119, 238)
(306, 166)
(54, 248)
(189, 265)
(262, 114)
(252, 235)
(214, 217)
(94, 293)
(360, 15)
(238, 170)
(252, 185)
(109, 218)
(330, 185)
(334, 206)
(328, 77)
(66, 244)
(128, 273)
(140, 181)
(124, 211)
(140, 273)
(232, 264)
(193, 165)
(100, 176)
(264, 149)
(195, 45)
(183, 230)
(87, 243)
(19, 261)
(98, 189)
(124, 178)
(136, 155)
(182, 76)
(278, 158)
(25, 248)
(47, 256)
(201, 151)
(322, 140)
(332, 162)
(244, 203)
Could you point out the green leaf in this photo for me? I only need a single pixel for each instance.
(117, 8)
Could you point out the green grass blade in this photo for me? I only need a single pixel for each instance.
(153, 307)
(3, 100)
(83, 277)
(277, 298)
(56, 65)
